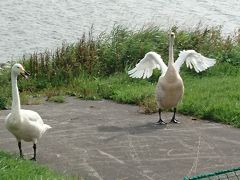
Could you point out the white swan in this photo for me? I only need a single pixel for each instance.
(25, 125)
(170, 86)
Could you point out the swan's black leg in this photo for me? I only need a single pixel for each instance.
(160, 121)
(34, 148)
(20, 149)
(174, 120)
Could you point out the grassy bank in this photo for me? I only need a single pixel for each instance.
(11, 168)
(215, 97)
(96, 68)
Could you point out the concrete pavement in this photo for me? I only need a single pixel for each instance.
(104, 140)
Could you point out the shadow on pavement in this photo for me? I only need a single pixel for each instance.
(145, 128)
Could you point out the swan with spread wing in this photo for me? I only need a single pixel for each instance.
(170, 88)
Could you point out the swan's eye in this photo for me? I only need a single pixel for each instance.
(18, 67)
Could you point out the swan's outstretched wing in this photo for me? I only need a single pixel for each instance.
(146, 65)
(194, 60)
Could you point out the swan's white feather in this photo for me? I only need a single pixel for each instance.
(145, 67)
(193, 60)
(28, 126)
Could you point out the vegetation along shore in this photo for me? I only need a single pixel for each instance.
(96, 68)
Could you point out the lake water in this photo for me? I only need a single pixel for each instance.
(27, 26)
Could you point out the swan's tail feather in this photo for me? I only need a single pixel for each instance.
(46, 127)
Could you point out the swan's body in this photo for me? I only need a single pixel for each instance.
(170, 88)
(27, 126)
(24, 124)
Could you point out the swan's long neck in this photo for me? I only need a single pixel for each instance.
(15, 95)
(171, 74)
(171, 60)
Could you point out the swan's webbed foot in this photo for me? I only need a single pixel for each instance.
(160, 122)
(175, 121)
(33, 159)
(34, 155)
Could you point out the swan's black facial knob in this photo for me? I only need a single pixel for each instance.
(172, 34)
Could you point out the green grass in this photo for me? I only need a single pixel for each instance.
(213, 97)
(57, 99)
(12, 168)
(118, 87)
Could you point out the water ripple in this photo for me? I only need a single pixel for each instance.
(28, 26)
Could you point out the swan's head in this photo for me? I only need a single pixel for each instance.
(171, 35)
(18, 69)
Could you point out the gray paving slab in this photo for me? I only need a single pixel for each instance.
(104, 140)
